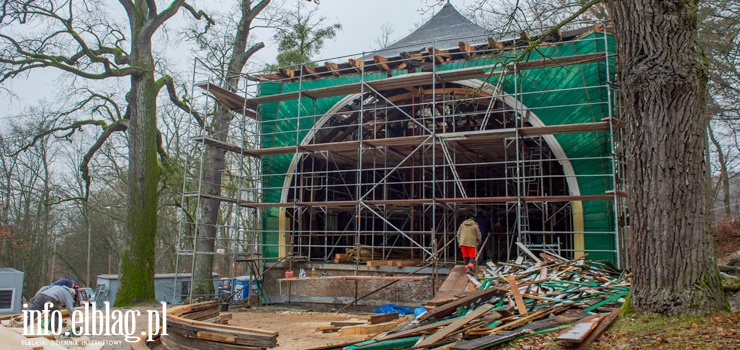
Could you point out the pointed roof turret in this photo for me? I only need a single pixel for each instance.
(444, 30)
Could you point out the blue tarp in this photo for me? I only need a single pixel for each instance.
(391, 308)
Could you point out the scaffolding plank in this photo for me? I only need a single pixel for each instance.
(419, 201)
(471, 136)
(230, 99)
(211, 196)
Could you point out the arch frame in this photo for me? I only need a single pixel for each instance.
(507, 99)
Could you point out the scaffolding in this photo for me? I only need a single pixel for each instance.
(386, 156)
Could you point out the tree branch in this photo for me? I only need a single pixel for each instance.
(152, 25)
(128, 5)
(76, 126)
(183, 103)
(532, 45)
(120, 125)
(199, 14)
(152, 5)
(244, 57)
(36, 60)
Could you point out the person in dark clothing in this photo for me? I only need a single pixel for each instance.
(66, 282)
(482, 222)
(57, 296)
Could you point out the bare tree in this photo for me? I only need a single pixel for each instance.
(72, 38)
(228, 49)
(385, 37)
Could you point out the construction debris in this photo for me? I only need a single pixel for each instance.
(514, 300)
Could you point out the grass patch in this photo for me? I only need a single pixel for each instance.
(718, 331)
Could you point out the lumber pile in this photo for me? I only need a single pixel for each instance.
(376, 324)
(511, 300)
(376, 257)
(186, 330)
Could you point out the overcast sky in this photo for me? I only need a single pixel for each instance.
(361, 21)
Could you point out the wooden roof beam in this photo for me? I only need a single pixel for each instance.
(467, 50)
(287, 72)
(308, 70)
(441, 56)
(381, 62)
(356, 64)
(332, 67)
(493, 44)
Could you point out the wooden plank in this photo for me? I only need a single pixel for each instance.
(375, 319)
(378, 262)
(528, 252)
(176, 341)
(347, 323)
(579, 331)
(603, 326)
(371, 329)
(454, 284)
(487, 342)
(202, 315)
(415, 331)
(402, 263)
(327, 329)
(517, 295)
(471, 299)
(453, 327)
(218, 337)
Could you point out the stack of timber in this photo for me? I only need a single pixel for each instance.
(376, 257)
(512, 300)
(187, 329)
(375, 325)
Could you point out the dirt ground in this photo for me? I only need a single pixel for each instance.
(297, 327)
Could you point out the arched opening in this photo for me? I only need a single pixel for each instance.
(406, 167)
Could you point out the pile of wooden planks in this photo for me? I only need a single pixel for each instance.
(398, 258)
(186, 329)
(511, 300)
(376, 324)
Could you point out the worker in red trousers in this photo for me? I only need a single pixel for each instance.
(468, 238)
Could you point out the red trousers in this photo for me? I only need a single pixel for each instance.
(468, 252)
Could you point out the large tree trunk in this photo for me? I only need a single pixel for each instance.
(136, 276)
(215, 163)
(663, 77)
(215, 157)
